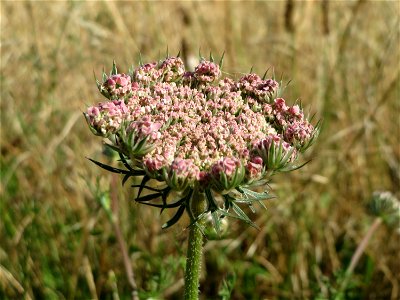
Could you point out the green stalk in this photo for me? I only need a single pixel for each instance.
(195, 248)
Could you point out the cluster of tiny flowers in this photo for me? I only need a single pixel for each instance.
(116, 86)
(218, 133)
(207, 71)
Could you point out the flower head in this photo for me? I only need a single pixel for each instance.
(192, 130)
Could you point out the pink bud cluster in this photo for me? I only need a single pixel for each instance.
(253, 86)
(144, 128)
(207, 71)
(296, 129)
(220, 134)
(227, 165)
(106, 118)
(147, 73)
(172, 69)
(117, 86)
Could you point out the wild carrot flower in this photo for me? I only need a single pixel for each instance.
(200, 135)
(229, 131)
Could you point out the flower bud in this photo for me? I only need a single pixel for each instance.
(227, 174)
(172, 69)
(275, 152)
(116, 86)
(207, 71)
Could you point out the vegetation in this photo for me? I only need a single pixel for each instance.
(62, 218)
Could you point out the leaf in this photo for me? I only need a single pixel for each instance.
(140, 59)
(104, 76)
(148, 197)
(216, 221)
(255, 195)
(224, 181)
(221, 61)
(114, 70)
(242, 215)
(265, 74)
(195, 219)
(225, 213)
(163, 206)
(143, 184)
(147, 187)
(212, 203)
(112, 147)
(175, 218)
(109, 168)
(294, 167)
(240, 212)
(165, 196)
(126, 177)
(271, 156)
(131, 70)
(123, 159)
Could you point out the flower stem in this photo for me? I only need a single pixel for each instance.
(195, 248)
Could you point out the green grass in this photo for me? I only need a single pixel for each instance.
(56, 240)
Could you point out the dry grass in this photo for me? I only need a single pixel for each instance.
(56, 242)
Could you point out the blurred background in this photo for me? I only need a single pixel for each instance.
(57, 240)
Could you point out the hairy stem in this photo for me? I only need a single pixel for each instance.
(195, 248)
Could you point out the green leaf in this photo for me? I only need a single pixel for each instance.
(112, 147)
(126, 177)
(294, 167)
(225, 213)
(216, 221)
(148, 197)
(271, 156)
(224, 181)
(221, 61)
(131, 71)
(140, 59)
(242, 215)
(114, 70)
(164, 198)
(104, 76)
(109, 168)
(255, 195)
(143, 184)
(175, 218)
(163, 206)
(265, 74)
(147, 188)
